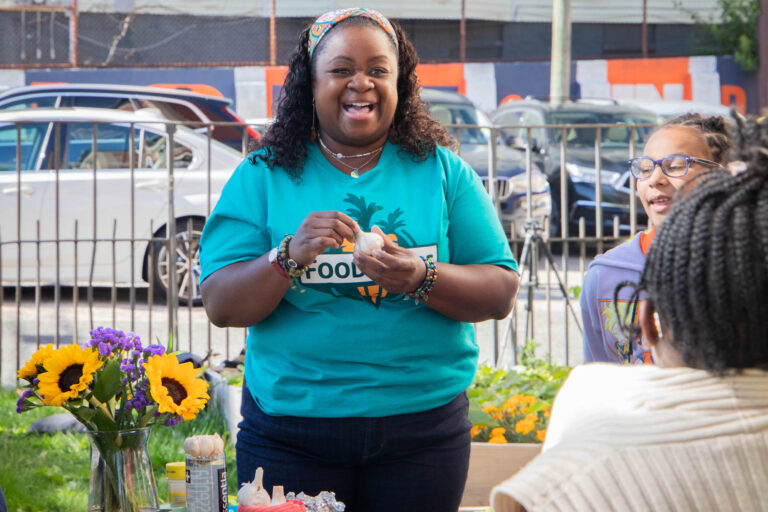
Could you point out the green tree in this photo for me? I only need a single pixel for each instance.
(736, 33)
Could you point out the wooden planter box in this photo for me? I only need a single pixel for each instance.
(490, 464)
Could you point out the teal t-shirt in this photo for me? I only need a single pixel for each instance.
(338, 345)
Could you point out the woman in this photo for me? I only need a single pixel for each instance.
(691, 432)
(673, 155)
(356, 363)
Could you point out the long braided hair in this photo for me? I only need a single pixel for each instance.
(285, 140)
(707, 270)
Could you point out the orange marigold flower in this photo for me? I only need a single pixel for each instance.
(532, 417)
(528, 399)
(476, 429)
(512, 402)
(498, 440)
(524, 426)
(488, 409)
(496, 415)
(498, 431)
(541, 434)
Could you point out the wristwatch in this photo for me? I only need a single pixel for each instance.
(273, 258)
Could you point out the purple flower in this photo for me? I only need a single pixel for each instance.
(172, 421)
(136, 341)
(140, 399)
(104, 349)
(22, 399)
(154, 350)
(127, 365)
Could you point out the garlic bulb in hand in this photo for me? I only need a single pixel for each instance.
(253, 493)
(368, 242)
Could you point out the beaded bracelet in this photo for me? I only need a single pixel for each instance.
(422, 292)
(291, 267)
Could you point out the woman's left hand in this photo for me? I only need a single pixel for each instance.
(397, 269)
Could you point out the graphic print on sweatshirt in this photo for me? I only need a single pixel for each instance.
(335, 273)
(626, 351)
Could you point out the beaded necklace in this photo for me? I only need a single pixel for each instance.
(355, 168)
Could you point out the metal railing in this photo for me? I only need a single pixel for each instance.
(47, 297)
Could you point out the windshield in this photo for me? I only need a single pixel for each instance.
(457, 114)
(614, 136)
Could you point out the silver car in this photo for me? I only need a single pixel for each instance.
(97, 181)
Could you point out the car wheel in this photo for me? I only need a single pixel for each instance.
(185, 263)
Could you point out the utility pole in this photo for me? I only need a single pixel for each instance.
(560, 75)
(272, 37)
(73, 34)
(762, 54)
(463, 33)
(645, 29)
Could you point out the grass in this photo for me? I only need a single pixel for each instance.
(49, 473)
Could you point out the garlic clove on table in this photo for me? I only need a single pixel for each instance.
(253, 493)
(368, 242)
(278, 495)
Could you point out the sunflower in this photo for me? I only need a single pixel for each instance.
(175, 387)
(68, 371)
(32, 367)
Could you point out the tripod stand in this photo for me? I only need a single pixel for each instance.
(529, 262)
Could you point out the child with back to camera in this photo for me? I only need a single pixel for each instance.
(673, 155)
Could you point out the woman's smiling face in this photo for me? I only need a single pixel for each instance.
(355, 87)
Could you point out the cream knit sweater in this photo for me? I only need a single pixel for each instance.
(650, 439)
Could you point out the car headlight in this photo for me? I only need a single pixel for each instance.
(589, 174)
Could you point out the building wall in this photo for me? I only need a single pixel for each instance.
(708, 79)
(582, 11)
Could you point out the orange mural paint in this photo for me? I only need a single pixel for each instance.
(656, 72)
(206, 89)
(442, 75)
(274, 76)
(510, 97)
(731, 94)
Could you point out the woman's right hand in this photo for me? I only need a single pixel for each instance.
(320, 231)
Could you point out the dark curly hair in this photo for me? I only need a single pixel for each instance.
(707, 270)
(285, 140)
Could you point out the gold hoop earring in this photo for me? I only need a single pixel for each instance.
(313, 132)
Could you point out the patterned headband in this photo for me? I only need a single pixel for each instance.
(324, 23)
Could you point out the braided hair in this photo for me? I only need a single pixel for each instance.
(707, 270)
(285, 140)
(713, 128)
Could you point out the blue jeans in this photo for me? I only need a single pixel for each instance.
(415, 461)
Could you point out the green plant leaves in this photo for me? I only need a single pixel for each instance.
(492, 388)
(107, 381)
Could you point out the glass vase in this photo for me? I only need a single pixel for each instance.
(121, 472)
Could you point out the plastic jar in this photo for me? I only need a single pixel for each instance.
(176, 474)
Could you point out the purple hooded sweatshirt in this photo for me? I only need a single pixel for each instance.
(603, 340)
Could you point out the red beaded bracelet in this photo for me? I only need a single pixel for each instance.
(422, 292)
